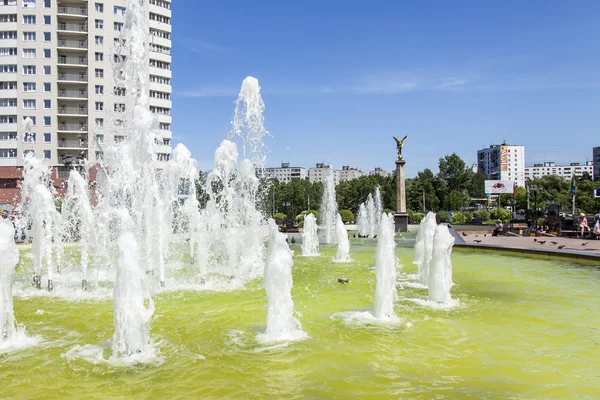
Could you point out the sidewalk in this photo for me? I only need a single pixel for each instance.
(568, 245)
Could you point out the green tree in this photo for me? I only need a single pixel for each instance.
(347, 216)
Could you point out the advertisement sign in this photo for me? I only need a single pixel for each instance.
(597, 192)
(503, 158)
(496, 187)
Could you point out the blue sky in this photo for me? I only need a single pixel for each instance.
(339, 78)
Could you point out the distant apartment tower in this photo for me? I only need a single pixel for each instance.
(348, 173)
(320, 171)
(565, 171)
(285, 173)
(56, 67)
(503, 162)
(596, 162)
(379, 171)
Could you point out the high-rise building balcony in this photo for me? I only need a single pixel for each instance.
(73, 11)
(64, 126)
(72, 60)
(72, 110)
(72, 94)
(72, 44)
(72, 77)
(66, 27)
(64, 143)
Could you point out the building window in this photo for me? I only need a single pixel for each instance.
(47, 3)
(47, 137)
(28, 53)
(47, 53)
(99, 56)
(47, 103)
(99, 24)
(47, 20)
(99, 7)
(27, 152)
(99, 106)
(28, 36)
(47, 87)
(118, 26)
(119, 107)
(100, 122)
(8, 51)
(47, 154)
(8, 68)
(99, 40)
(47, 70)
(47, 36)
(99, 73)
(47, 121)
(28, 19)
(28, 69)
(29, 3)
(99, 89)
(119, 10)
(99, 155)
(99, 139)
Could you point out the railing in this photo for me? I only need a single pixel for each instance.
(73, 110)
(72, 77)
(63, 126)
(78, 44)
(72, 10)
(72, 27)
(81, 94)
(72, 60)
(78, 144)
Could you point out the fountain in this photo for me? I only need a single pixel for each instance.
(424, 247)
(369, 214)
(329, 210)
(362, 221)
(79, 219)
(8, 261)
(281, 323)
(440, 268)
(386, 268)
(37, 206)
(310, 236)
(343, 244)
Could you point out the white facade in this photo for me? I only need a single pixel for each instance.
(285, 173)
(320, 172)
(565, 171)
(503, 162)
(348, 173)
(56, 67)
(379, 171)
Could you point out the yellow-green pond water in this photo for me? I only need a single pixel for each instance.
(525, 328)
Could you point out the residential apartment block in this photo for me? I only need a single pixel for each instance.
(596, 162)
(565, 171)
(285, 173)
(56, 61)
(503, 162)
(379, 171)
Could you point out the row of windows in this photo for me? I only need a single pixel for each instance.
(160, 64)
(160, 95)
(160, 80)
(30, 137)
(160, 49)
(8, 51)
(30, 20)
(8, 18)
(30, 36)
(12, 119)
(160, 110)
(160, 18)
(99, 7)
(161, 3)
(99, 24)
(12, 153)
(8, 34)
(160, 34)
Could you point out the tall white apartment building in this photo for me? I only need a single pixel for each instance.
(380, 172)
(348, 173)
(503, 162)
(56, 61)
(320, 172)
(565, 171)
(285, 173)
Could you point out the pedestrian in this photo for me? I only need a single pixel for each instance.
(583, 224)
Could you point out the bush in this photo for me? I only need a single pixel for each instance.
(388, 211)
(347, 216)
(279, 218)
(300, 217)
(443, 216)
(500, 213)
(418, 217)
(483, 215)
(459, 218)
(468, 216)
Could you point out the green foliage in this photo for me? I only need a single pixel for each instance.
(459, 218)
(443, 216)
(347, 216)
(300, 217)
(279, 218)
(350, 194)
(500, 213)
(468, 216)
(417, 218)
(483, 215)
(58, 204)
(388, 211)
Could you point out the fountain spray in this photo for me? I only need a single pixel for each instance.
(310, 236)
(386, 268)
(329, 210)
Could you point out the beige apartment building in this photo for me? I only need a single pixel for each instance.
(56, 67)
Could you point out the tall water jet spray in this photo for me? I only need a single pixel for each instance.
(8, 261)
(362, 220)
(440, 273)
(329, 210)
(310, 236)
(386, 268)
(369, 214)
(343, 244)
(281, 323)
(37, 206)
(424, 247)
(79, 219)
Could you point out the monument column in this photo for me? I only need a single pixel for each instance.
(400, 217)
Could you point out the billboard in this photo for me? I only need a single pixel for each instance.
(503, 158)
(495, 187)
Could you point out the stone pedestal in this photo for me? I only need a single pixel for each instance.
(401, 216)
